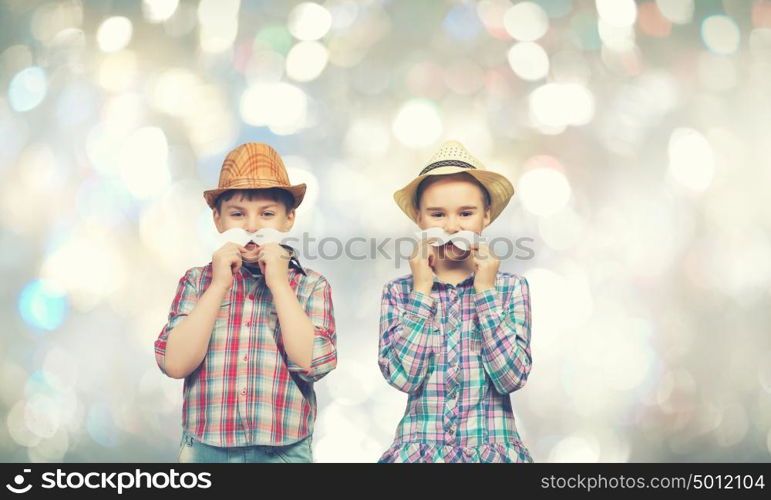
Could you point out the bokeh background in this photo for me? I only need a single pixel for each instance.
(637, 135)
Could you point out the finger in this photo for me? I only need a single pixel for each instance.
(424, 250)
(417, 249)
(427, 249)
(430, 255)
(431, 240)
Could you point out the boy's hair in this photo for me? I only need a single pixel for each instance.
(460, 175)
(276, 194)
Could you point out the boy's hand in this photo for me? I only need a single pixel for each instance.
(225, 262)
(274, 264)
(485, 266)
(421, 264)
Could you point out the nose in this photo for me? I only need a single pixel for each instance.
(452, 225)
(252, 224)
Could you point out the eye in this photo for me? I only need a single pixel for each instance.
(466, 214)
(235, 214)
(267, 214)
(436, 214)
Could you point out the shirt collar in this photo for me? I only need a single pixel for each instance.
(254, 269)
(466, 282)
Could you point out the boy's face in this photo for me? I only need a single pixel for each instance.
(453, 204)
(253, 215)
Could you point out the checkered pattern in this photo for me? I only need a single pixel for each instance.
(253, 160)
(458, 354)
(246, 390)
(254, 165)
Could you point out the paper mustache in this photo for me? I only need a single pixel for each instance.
(242, 236)
(461, 239)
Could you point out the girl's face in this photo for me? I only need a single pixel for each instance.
(453, 204)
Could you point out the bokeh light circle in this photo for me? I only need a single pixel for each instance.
(27, 89)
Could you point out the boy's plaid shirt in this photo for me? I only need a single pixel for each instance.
(458, 354)
(246, 391)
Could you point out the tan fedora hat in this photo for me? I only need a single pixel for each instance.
(254, 165)
(452, 158)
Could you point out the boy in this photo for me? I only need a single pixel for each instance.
(455, 334)
(251, 331)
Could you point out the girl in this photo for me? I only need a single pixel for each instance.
(455, 334)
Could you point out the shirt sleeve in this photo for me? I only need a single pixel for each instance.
(321, 313)
(406, 338)
(184, 301)
(505, 329)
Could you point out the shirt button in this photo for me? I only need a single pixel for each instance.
(453, 395)
(246, 357)
(248, 323)
(243, 391)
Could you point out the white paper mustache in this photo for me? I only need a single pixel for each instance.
(461, 239)
(242, 236)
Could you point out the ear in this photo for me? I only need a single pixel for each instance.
(419, 220)
(217, 219)
(290, 218)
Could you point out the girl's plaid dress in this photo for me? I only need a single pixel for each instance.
(458, 354)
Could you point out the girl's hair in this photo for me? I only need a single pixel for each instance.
(459, 175)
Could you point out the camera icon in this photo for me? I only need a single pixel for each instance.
(19, 481)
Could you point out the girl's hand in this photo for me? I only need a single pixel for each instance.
(421, 264)
(485, 266)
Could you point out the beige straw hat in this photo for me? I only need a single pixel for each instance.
(453, 158)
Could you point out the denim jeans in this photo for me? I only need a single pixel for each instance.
(191, 450)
